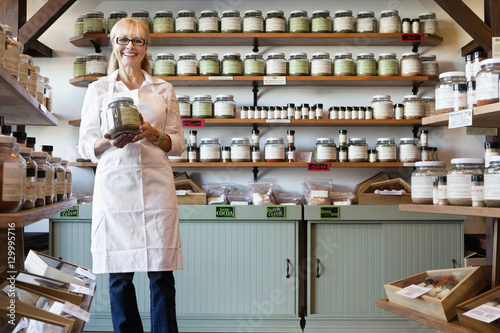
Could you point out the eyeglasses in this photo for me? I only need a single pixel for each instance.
(135, 41)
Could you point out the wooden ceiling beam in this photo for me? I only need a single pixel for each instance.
(13, 13)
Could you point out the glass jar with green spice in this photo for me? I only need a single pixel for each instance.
(343, 21)
(357, 150)
(232, 64)
(184, 106)
(276, 64)
(388, 65)
(187, 65)
(298, 64)
(79, 28)
(386, 150)
(224, 107)
(366, 65)
(163, 22)
(114, 17)
(321, 64)
(253, 21)
(142, 16)
(202, 106)
(343, 64)
(165, 64)
(254, 64)
(79, 68)
(275, 21)
(321, 21)
(209, 21)
(231, 21)
(325, 150)
(96, 64)
(94, 22)
(299, 22)
(366, 22)
(209, 64)
(186, 21)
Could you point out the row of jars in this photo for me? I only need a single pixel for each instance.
(466, 183)
(253, 21)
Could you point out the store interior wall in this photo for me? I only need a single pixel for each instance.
(68, 99)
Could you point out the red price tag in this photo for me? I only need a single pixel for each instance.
(192, 123)
(414, 38)
(318, 166)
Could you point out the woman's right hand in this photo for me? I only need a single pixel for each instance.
(121, 140)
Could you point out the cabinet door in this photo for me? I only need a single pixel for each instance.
(238, 268)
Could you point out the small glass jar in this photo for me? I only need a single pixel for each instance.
(69, 179)
(23, 72)
(224, 107)
(29, 190)
(96, 64)
(366, 22)
(187, 65)
(321, 21)
(274, 150)
(186, 21)
(165, 64)
(209, 64)
(366, 65)
(487, 82)
(389, 21)
(12, 52)
(343, 21)
(209, 21)
(225, 154)
(255, 154)
(342, 110)
(471, 94)
(424, 138)
(240, 150)
(444, 90)
(210, 150)
(342, 154)
(298, 64)
(422, 180)
(183, 157)
(382, 107)
(244, 112)
(39, 85)
(193, 138)
(47, 94)
(459, 97)
(372, 156)
(426, 154)
(276, 64)
(192, 154)
(343, 65)
(415, 26)
(45, 179)
(386, 150)
(299, 22)
(255, 137)
(232, 65)
(411, 65)
(275, 21)
(491, 149)
(94, 22)
(459, 180)
(253, 21)
(406, 25)
(399, 111)
(290, 111)
(429, 106)
(79, 27)
(492, 183)
(388, 65)
(122, 117)
(33, 77)
(79, 66)
(290, 154)
(348, 113)
(428, 23)
(477, 190)
(163, 22)
(12, 176)
(231, 21)
(184, 106)
(325, 150)
(430, 66)
(409, 150)
(59, 179)
(290, 138)
(357, 150)
(413, 107)
(321, 64)
(114, 17)
(202, 107)
(254, 65)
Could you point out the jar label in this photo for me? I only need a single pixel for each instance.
(224, 109)
(163, 24)
(209, 67)
(298, 24)
(487, 87)
(365, 24)
(69, 183)
(366, 67)
(231, 24)
(240, 153)
(357, 152)
(321, 24)
(459, 186)
(187, 67)
(208, 24)
(60, 180)
(409, 153)
(254, 67)
(422, 187)
(477, 193)
(429, 26)
(185, 109)
(164, 68)
(93, 25)
(30, 188)
(185, 23)
(326, 153)
(444, 98)
(321, 67)
(253, 24)
(388, 67)
(96, 67)
(411, 67)
(274, 153)
(202, 109)
(343, 23)
(459, 101)
(49, 183)
(12, 181)
(40, 187)
(492, 187)
(79, 70)
(276, 66)
(232, 67)
(389, 24)
(209, 153)
(382, 110)
(130, 116)
(275, 24)
(344, 67)
(414, 109)
(469, 71)
(430, 68)
(298, 67)
(12, 54)
(386, 153)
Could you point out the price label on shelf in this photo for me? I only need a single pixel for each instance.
(413, 291)
(314, 166)
(460, 118)
(274, 80)
(484, 313)
(192, 122)
(415, 38)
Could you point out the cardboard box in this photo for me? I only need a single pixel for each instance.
(477, 325)
(197, 198)
(367, 197)
(444, 308)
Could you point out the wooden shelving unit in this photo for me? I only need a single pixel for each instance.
(482, 116)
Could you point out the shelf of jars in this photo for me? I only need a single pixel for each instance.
(19, 106)
(453, 210)
(267, 39)
(482, 116)
(27, 217)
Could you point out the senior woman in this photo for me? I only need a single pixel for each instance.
(135, 222)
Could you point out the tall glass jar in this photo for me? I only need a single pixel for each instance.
(298, 65)
(444, 90)
(366, 65)
(430, 66)
(487, 82)
(389, 21)
(12, 52)
(23, 72)
(186, 21)
(409, 150)
(231, 21)
(492, 183)
(428, 23)
(69, 179)
(32, 78)
(94, 22)
(232, 65)
(59, 179)
(209, 64)
(240, 150)
(12, 175)
(209, 21)
(187, 65)
(42, 161)
(254, 64)
(388, 65)
(382, 107)
(79, 66)
(321, 21)
(210, 150)
(325, 150)
(429, 106)
(299, 22)
(96, 64)
(422, 181)
(163, 22)
(343, 64)
(47, 94)
(386, 150)
(275, 21)
(366, 22)
(459, 180)
(343, 21)
(39, 85)
(357, 150)
(276, 64)
(122, 117)
(114, 17)
(184, 106)
(142, 16)
(202, 106)
(29, 190)
(321, 64)
(411, 65)
(79, 27)
(274, 150)
(165, 64)
(224, 106)
(413, 107)
(253, 21)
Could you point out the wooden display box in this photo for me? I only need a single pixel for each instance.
(443, 308)
(198, 198)
(367, 197)
(477, 325)
(58, 324)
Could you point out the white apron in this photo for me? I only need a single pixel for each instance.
(135, 222)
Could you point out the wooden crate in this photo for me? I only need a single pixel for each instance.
(476, 325)
(445, 308)
(198, 198)
(367, 197)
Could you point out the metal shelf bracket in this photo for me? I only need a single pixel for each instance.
(416, 86)
(97, 47)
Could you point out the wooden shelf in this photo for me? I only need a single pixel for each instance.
(483, 116)
(453, 210)
(441, 325)
(18, 107)
(264, 39)
(27, 217)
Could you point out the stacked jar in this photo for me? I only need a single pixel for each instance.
(422, 181)
(444, 91)
(12, 175)
(487, 82)
(386, 149)
(325, 150)
(459, 189)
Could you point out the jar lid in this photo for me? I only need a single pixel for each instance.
(40, 154)
(185, 11)
(477, 54)
(325, 139)
(276, 54)
(495, 158)
(232, 54)
(94, 12)
(343, 11)
(239, 139)
(165, 55)
(428, 57)
(298, 54)
(349, 54)
(411, 54)
(54, 159)
(406, 19)
(77, 57)
(429, 98)
(187, 55)
(448, 74)
(367, 54)
(121, 99)
(321, 54)
(253, 54)
(491, 145)
(7, 139)
(366, 12)
(26, 150)
(224, 96)
(253, 11)
(203, 96)
(411, 97)
(385, 139)
(321, 11)
(164, 12)
(182, 96)
(389, 11)
(357, 139)
(209, 55)
(100, 55)
(275, 12)
(467, 161)
(387, 54)
(209, 11)
(382, 97)
(408, 139)
(489, 61)
(298, 12)
(210, 139)
(121, 12)
(274, 139)
(231, 11)
(430, 164)
(427, 14)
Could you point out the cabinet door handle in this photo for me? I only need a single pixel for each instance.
(288, 262)
(453, 263)
(317, 268)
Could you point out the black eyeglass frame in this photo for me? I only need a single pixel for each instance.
(135, 41)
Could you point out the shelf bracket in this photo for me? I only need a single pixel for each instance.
(415, 130)
(97, 47)
(255, 91)
(415, 47)
(255, 173)
(255, 45)
(414, 90)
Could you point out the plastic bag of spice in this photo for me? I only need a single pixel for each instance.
(261, 192)
(287, 198)
(317, 191)
(238, 195)
(216, 194)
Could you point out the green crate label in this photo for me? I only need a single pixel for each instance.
(329, 212)
(70, 213)
(224, 212)
(275, 212)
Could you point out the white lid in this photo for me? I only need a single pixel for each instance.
(224, 96)
(182, 96)
(140, 12)
(426, 14)
(382, 96)
(275, 12)
(165, 55)
(40, 154)
(298, 54)
(446, 74)
(274, 54)
(495, 158)
(210, 139)
(54, 159)
(467, 160)
(7, 139)
(321, 11)
(253, 11)
(274, 139)
(209, 55)
(253, 54)
(239, 139)
(116, 99)
(366, 54)
(298, 12)
(411, 54)
(366, 12)
(343, 11)
(389, 11)
(319, 54)
(163, 12)
(232, 54)
(385, 139)
(489, 61)
(357, 139)
(428, 97)
(95, 12)
(185, 11)
(387, 54)
(343, 54)
(411, 96)
(430, 163)
(325, 139)
(203, 96)
(408, 139)
(26, 150)
(209, 11)
(427, 56)
(231, 11)
(187, 55)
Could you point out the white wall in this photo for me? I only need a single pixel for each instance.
(68, 99)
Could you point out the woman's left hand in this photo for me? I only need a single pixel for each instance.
(147, 131)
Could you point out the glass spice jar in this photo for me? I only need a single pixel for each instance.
(276, 64)
(487, 82)
(187, 65)
(114, 17)
(366, 65)
(477, 190)
(413, 107)
(193, 138)
(12, 52)
(428, 23)
(298, 22)
(79, 29)
(202, 107)
(12, 175)
(389, 21)
(23, 72)
(490, 149)
(165, 64)
(254, 65)
(366, 22)
(325, 150)
(357, 150)
(255, 137)
(209, 64)
(471, 94)
(275, 21)
(186, 21)
(459, 180)
(163, 22)
(29, 190)
(59, 179)
(343, 64)
(79, 66)
(343, 21)
(47, 94)
(429, 106)
(459, 97)
(444, 90)
(388, 65)
(372, 155)
(386, 150)
(94, 22)
(382, 107)
(342, 154)
(255, 154)
(3, 41)
(492, 183)
(321, 21)
(39, 85)
(274, 150)
(210, 150)
(399, 110)
(224, 107)
(411, 65)
(298, 65)
(122, 117)
(321, 64)
(209, 21)
(409, 150)
(253, 21)
(69, 179)
(430, 66)
(406, 25)
(184, 106)
(42, 161)
(415, 26)
(96, 65)
(231, 21)
(422, 180)
(240, 150)
(43, 167)
(232, 65)
(142, 16)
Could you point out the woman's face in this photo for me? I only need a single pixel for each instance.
(129, 55)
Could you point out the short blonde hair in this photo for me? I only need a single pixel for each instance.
(130, 28)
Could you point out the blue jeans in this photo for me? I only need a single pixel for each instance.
(124, 310)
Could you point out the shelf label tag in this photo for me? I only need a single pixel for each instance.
(279, 121)
(224, 212)
(70, 213)
(414, 38)
(192, 122)
(274, 80)
(312, 166)
(484, 313)
(413, 291)
(460, 118)
(275, 212)
(220, 78)
(329, 212)
(76, 311)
